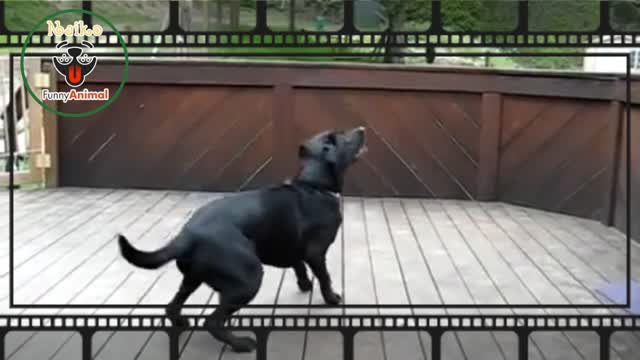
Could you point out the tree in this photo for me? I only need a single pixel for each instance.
(393, 14)
(501, 15)
(625, 15)
(292, 15)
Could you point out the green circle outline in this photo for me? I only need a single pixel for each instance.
(99, 108)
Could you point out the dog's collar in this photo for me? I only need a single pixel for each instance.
(336, 195)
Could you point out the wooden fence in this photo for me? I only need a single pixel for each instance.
(547, 140)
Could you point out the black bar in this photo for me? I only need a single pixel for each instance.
(523, 345)
(605, 19)
(87, 18)
(605, 345)
(347, 344)
(436, 17)
(3, 26)
(3, 335)
(12, 146)
(348, 25)
(174, 18)
(87, 338)
(627, 107)
(261, 17)
(436, 345)
(262, 337)
(523, 17)
(174, 344)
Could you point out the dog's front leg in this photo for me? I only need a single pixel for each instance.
(318, 266)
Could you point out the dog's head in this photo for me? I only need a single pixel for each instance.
(326, 156)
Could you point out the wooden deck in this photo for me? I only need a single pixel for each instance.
(389, 251)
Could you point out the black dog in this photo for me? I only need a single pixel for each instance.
(226, 241)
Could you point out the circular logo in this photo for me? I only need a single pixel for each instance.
(74, 69)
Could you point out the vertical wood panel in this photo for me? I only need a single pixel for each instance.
(239, 131)
(489, 147)
(614, 133)
(555, 155)
(284, 149)
(628, 193)
(35, 115)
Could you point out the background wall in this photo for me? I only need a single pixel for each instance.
(546, 140)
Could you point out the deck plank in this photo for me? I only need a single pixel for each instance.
(571, 289)
(152, 345)
(388, 274)
(512, 288)
(326, 345)
(407, 251)
(593, 265)
(442, 272)
(31, 209)
(359, 285)
(537, 280)
(25, 195)
(289, 345)
(580, 271)
(59, 292)
(142, 283)
(480, 287)
(77, 247)
(38, 233)
(52, 236)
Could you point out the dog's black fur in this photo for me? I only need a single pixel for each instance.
(226, 242)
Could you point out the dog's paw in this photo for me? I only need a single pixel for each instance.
(332, 298)
(243, 345)
(305, 285)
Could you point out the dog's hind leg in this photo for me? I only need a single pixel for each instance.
(304, 284)
(231, 300)
(216, 321)
(187, 287)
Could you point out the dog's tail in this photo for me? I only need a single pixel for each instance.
(148, 259)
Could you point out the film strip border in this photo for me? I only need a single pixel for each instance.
(348, 36)
(349, 326)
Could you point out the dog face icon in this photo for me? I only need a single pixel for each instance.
(74, 64)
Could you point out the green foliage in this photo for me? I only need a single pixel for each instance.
(462, 15)
(325, 7)
(563, 15)
(548, 62)
(625, 15)
(248, 4)
(24, 15)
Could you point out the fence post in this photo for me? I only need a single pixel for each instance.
(489, 147)
(614, 137)
(34, 116)
(50, 126)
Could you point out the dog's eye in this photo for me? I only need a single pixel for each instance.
(331, 139)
